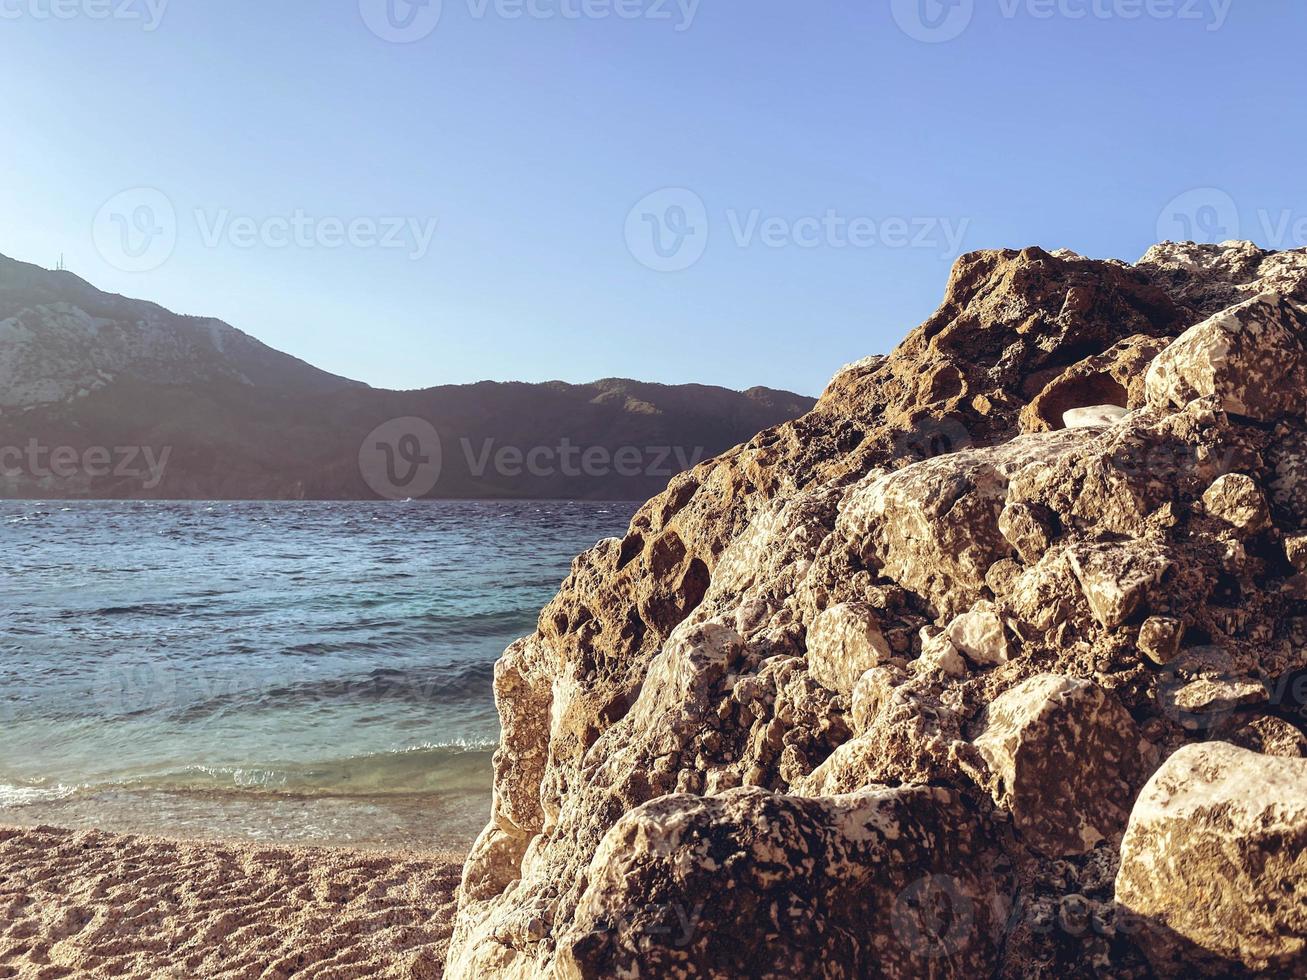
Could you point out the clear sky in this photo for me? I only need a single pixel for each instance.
(814, 167)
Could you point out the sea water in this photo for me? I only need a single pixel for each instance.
(296, 673)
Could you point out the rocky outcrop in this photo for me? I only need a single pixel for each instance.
(877, 693)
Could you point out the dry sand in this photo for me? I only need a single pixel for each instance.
(93, 904)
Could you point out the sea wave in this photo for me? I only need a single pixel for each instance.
(453, 767)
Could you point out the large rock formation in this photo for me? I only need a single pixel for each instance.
(877, 693)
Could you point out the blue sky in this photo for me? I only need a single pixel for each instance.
(477, 196)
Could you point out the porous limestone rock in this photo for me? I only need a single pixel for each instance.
(1214, 864)
(844, 642)
(722, 887)
(1249, 356)
(1066, 760)
(683, 728)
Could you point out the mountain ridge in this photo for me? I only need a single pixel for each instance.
(88, 370)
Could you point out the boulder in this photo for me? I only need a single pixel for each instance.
(1250, 357)
(1214, 864)
(1066, 760)
(693, 773)
(1159, 639)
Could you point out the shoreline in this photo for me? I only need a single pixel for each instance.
(94, 903)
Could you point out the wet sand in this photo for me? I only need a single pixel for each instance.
(94, 904)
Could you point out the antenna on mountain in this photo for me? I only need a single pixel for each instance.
(61, 267)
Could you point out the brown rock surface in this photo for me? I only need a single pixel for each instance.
(685, 725)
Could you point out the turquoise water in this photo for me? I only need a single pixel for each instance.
(290, 672)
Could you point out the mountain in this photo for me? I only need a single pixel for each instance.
(102, 396)
(992, 665)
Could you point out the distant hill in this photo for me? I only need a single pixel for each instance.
(107, 397)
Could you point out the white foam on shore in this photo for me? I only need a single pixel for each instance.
(11, 795)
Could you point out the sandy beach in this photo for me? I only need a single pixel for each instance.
(94, 904)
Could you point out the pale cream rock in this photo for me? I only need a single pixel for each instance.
(844, 642)
(938, 654)
(1093, 416)
(980, 636)
(1214, 863)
